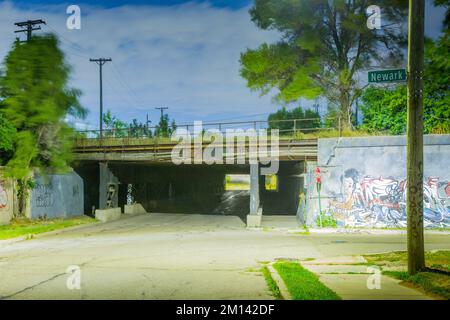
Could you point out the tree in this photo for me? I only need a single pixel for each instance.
(114, 127)
(384, 109)
(323, 46)
(35, 101)
(7, 132)
(163, 129)
(311, 119)
(138, 129)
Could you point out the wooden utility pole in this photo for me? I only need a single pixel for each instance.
(162, 111)
(29, 26)
(414, 206)
(100, 63)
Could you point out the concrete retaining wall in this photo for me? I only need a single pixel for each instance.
(6, 199)
(57, 196)
(364, 181)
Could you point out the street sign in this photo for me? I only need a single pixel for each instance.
(383, 76)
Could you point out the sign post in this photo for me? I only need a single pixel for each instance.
(319, 187)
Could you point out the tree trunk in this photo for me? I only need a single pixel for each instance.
(345, 109)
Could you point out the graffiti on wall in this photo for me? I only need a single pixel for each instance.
(381, 202)
(44, 195)
(3, 196)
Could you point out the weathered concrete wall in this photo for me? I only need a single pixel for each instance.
(6, 199)
(90, 173)
(364, 181)
(57, 196)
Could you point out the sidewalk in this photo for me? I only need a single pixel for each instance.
(350, 279)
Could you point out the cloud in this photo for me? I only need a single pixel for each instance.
(185, 57)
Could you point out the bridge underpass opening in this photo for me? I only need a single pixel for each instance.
(194, 189)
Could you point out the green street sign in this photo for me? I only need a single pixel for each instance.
(383, 76)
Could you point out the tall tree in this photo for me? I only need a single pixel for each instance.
(323, 46)
(35, 100)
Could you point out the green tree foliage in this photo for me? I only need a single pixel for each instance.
(311, 119)
(36, 100)
(385, 109)
(113, 126)
(322, 47)
(138, 129)
(7, 132)
(163, 129)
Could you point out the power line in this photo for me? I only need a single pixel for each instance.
(29, 26)
(125, 83)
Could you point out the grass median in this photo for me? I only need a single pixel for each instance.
(302, 284)
(29, 228)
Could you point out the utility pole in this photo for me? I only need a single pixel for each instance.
(162, 111)
(101, 62)
(148, 123)
(414, 206)
(29, 27)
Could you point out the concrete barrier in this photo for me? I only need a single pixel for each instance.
(135, 208)
(107, 215)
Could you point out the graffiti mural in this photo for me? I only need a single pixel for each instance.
(381, 202)
(3, 196)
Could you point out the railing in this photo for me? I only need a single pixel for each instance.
(285, 128)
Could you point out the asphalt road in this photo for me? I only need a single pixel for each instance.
(162, 256)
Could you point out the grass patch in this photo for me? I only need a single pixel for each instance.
(439, 260)
(302, 284)
(436, 279)
(436, 283)
(273, 287)
(28, 228)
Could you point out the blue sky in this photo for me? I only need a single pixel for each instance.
(234, 4)
(176, 54)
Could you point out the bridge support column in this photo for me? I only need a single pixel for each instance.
(108, 188)
(255, 216)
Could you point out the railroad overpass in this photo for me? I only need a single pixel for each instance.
(118, 170)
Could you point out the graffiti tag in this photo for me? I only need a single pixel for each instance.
(3, 196)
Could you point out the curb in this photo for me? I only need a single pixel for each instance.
(285, 295)
(49, 233)
(58, 231)
(371, 231)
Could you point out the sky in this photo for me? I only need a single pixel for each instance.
(173, 53)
